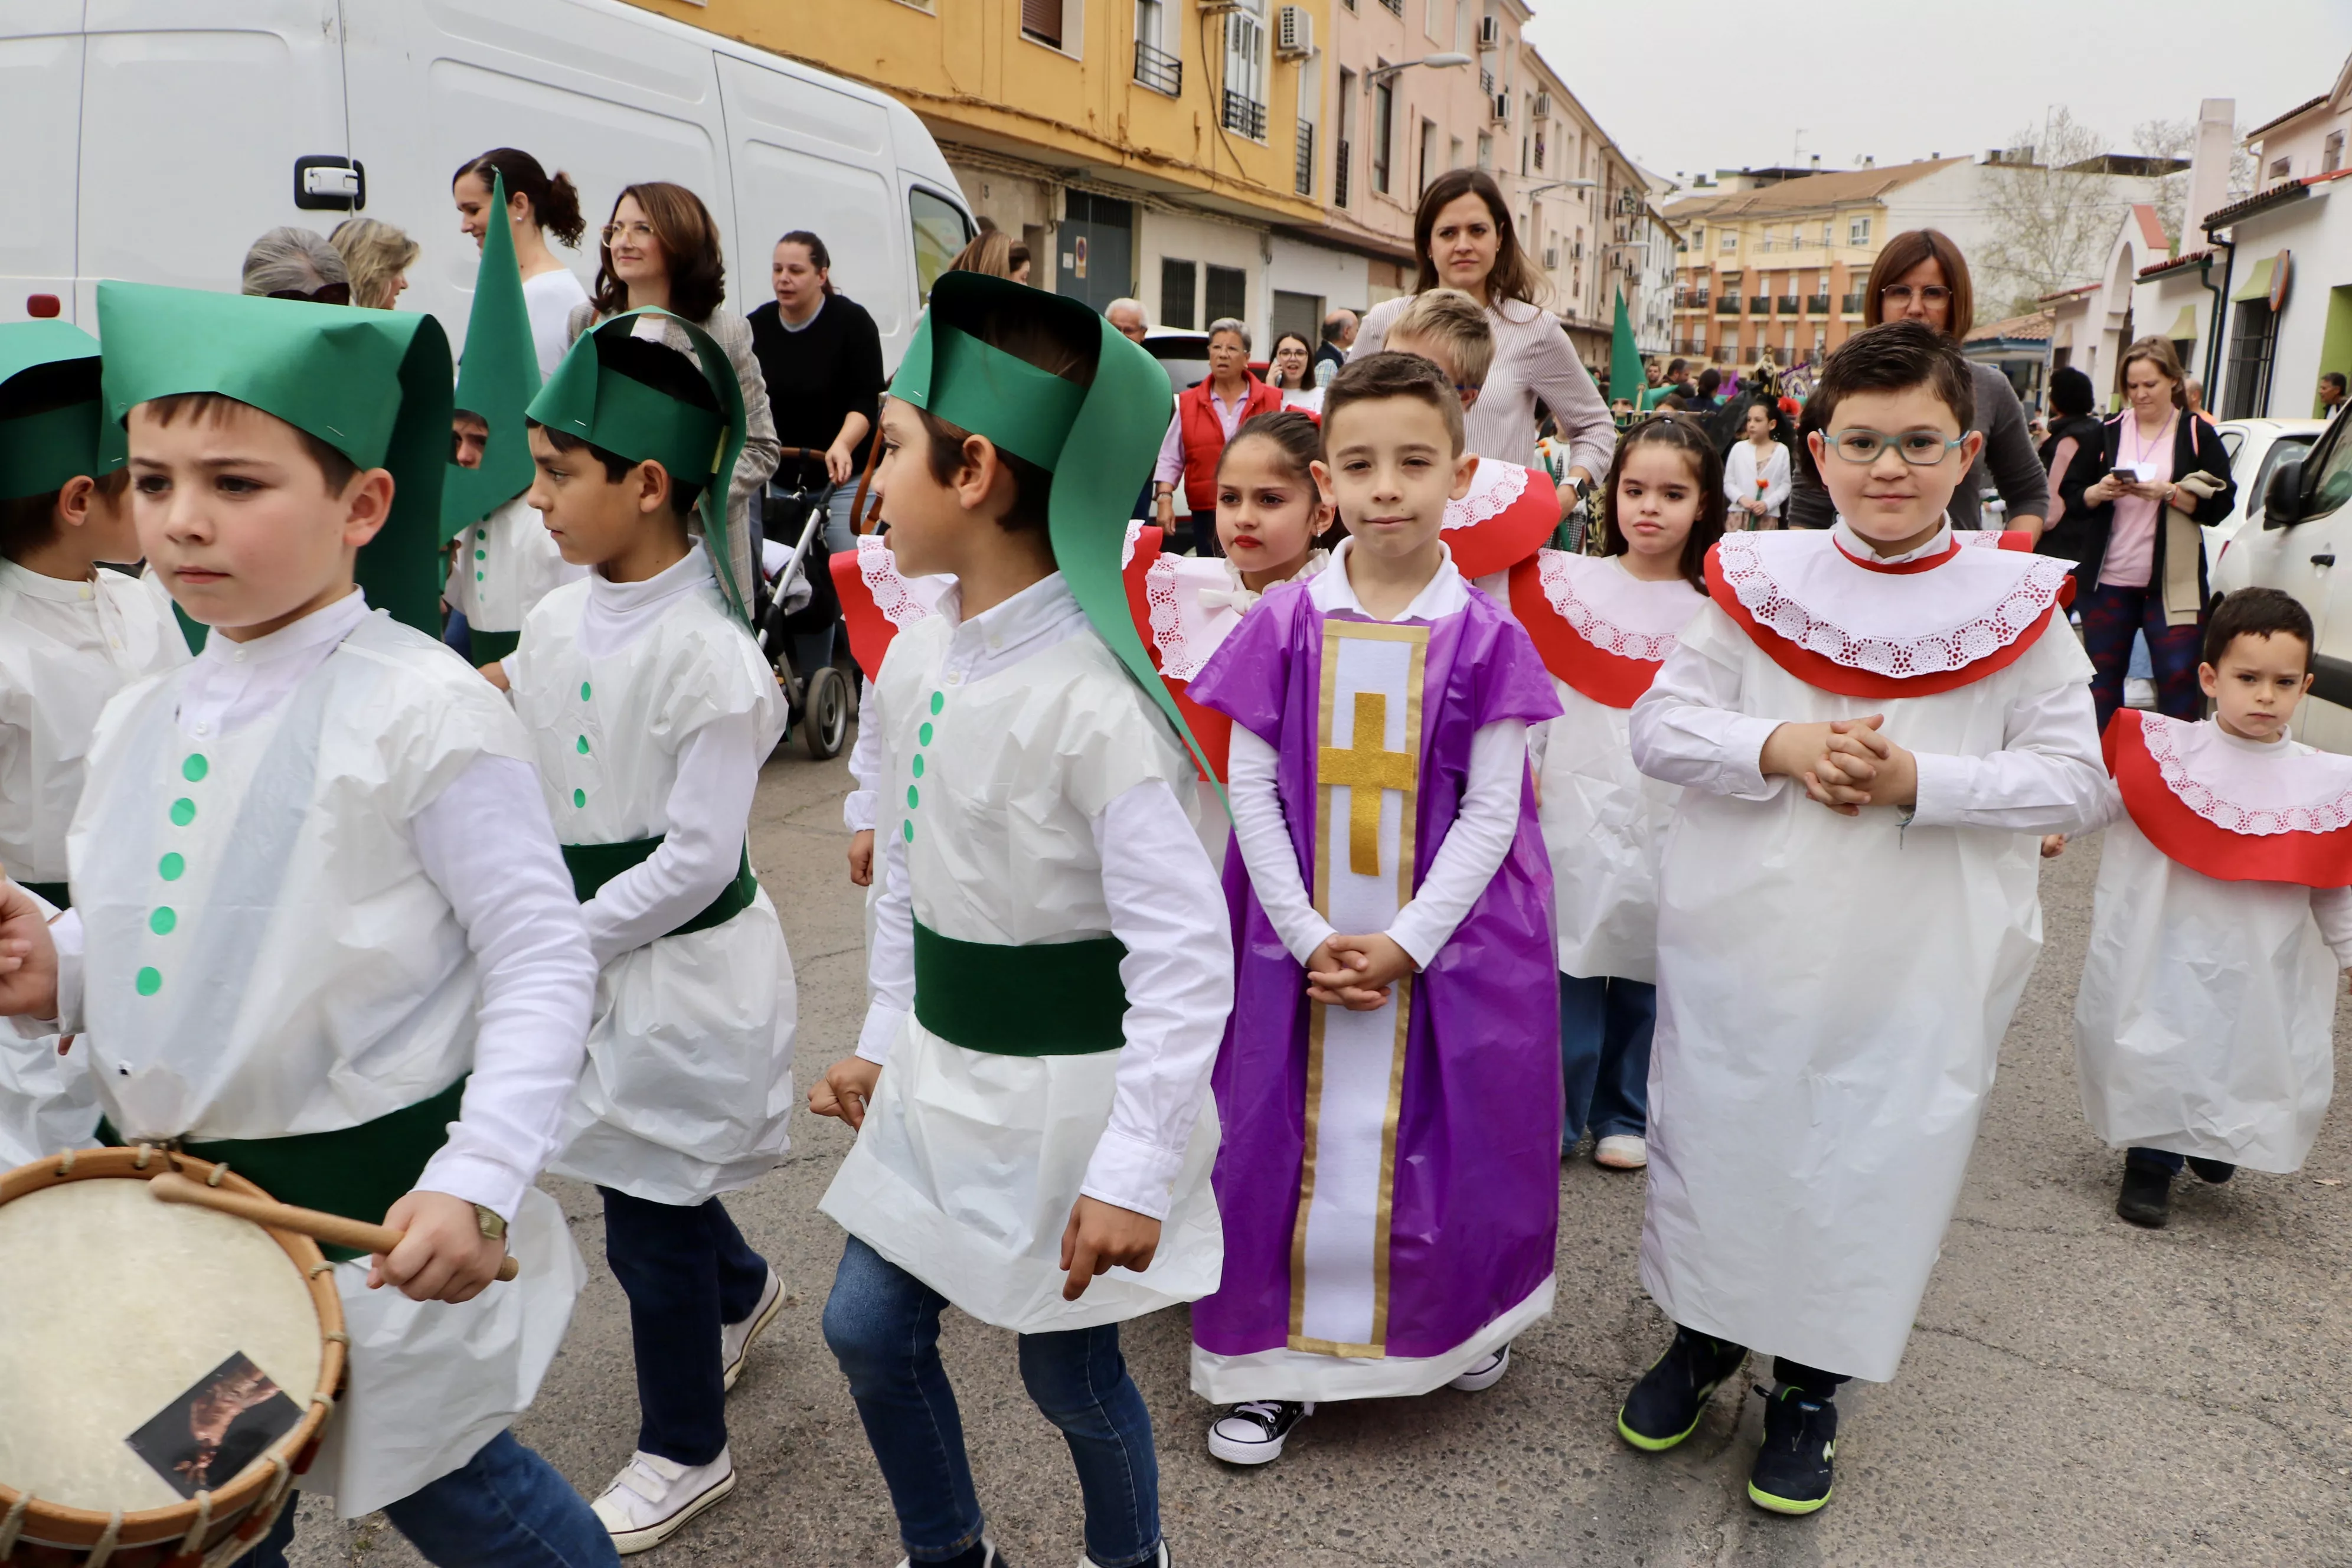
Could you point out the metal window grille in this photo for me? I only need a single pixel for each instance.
(1158, 70)
(1245, 116)
(1303, 174)
(1339, 160)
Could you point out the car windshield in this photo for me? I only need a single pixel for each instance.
(2333, 485)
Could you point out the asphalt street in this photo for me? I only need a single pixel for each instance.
(2076, 1391)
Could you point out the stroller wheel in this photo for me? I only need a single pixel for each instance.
(824, 713)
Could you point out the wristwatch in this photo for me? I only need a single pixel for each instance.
(494, 1226)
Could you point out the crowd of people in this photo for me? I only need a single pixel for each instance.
(1256, 926)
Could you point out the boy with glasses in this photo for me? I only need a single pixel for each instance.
(1871, 724)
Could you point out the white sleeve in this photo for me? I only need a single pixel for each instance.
(857, 807)
(709, 810)
(1166, 906)
(2047, 778)
(2106, 813)
(1263, 835)
(1687, 729)
(1776, 495)
(1474, 845)
(891, 957)
(488, 845)
(65, 930)
(2332, 908)
(1735, 481)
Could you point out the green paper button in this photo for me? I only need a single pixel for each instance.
(579, 797)
(194, 769)
(911, 797)
(481, 555)
(583, 691)
(184, 812)
(170, 867)
(148, 982)
(909, 828)
(919, 767)
(584, 745)
(161, 921)
(478, 577)
(938, 700)
(924, 734)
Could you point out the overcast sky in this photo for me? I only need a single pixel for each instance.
(1709, 86)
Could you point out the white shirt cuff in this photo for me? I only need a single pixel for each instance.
(474, 1179)
(880, 1033)
(1133, 1175)
(1742, 773)
(858, 810)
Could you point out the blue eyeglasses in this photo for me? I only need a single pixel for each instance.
(1920, 448)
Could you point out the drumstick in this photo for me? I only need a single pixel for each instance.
(171, 1188)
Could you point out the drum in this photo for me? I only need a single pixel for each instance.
(165, 1371)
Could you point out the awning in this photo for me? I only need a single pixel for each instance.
(2184, 326)
(2257, 285)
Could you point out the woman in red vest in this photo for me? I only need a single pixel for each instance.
(1206, 417)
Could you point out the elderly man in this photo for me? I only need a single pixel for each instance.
(1338, 337)
(2331, 393)
(1127, 316)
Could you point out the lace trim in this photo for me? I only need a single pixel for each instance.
(880, 572)
(1127, 549)
(2162, 735)
(1486, 500)
(1176, 660)
(1935, 654)
(1557, 575)
(1982, 538)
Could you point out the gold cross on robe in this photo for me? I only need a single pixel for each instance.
(1367, 767)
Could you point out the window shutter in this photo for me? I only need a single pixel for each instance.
(1042, 20)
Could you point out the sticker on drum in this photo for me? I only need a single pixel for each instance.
(222, 1424)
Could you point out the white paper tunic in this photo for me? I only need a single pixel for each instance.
(2206, 1018)
(650, 710)
(1030, 798)
(1832, 991)
(266, 947)
(65, 648)
(505, 565)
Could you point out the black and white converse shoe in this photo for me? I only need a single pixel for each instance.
(1483, 1374)
(1252, 1433)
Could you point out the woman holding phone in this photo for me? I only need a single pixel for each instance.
(2163, 477)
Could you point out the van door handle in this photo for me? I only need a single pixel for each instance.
(2328, 559)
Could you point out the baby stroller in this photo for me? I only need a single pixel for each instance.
(798, 599)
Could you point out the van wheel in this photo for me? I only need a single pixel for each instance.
(824, 713)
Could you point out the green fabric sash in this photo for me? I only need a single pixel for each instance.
(1039, 999)
(594, 865)
(356, 1172)
(57, 893)
(489, 647)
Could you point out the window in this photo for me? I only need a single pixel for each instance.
(1042, 20)
(1764, 240)
(2254, 339)
(1228, 293)
(1730, 241)
(1383, 129)
(2331, 152)
(2279, 167)
(1344, 128)
(1429, 168)
(1698, 235)
(1829, 234)
(1155, 67)
(1857, 231)
(939, 231)
(1178, 291)
(1244, 90)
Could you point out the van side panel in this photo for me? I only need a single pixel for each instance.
(192, 114)
(40, 109)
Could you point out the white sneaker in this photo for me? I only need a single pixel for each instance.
(1485, 1374)
(1622, 1152)
(653, 1498)
(735, 1339)
(2139, 693)
(1086, 1562)
(1252, 1433)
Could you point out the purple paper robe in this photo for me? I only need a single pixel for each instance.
(1470, 1185)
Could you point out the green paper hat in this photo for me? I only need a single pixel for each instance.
(372, 384)
(40, 452)
(497, 379)
(639, 422)
(1099, 442)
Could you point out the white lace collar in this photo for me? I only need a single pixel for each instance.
(2252, 787)
(902, 600)
(1613, 610)
(1494, 486)
(1194, 603)
(1802, 587)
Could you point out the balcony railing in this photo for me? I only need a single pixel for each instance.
(1851, 305)
(1788, 304)
(1395, 6)
(1759, 304)
(1727, 306)
(1302, 176)
(1339, 160)
(1245, 115)
(1158, 70)
(1817, 304)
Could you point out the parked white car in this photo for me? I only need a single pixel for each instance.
(2255, 448)
(2303, 529)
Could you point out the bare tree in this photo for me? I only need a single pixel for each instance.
(2051, 223)
(2177, 138)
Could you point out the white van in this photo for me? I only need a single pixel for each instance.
(154, 139)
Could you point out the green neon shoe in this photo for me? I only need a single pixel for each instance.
(1794, 1469)
(1667, 1404)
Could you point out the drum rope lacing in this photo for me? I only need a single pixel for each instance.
(12, 1525)
(103, 1552)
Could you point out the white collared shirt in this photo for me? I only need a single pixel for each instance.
(1851, 540)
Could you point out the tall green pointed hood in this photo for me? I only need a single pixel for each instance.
(372, 384)
(634, 421)
(46, 361)
(1097, 441)
(497, 379)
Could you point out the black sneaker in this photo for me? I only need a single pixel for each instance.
(1792, 1471)
(2146, 1197)
(2213, 1171)
(1253, 1433)
(1668, 1403)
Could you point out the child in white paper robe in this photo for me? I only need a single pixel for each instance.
(2204, 1028)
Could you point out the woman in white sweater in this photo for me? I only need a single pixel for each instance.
(1463, 235)
(1756, 473)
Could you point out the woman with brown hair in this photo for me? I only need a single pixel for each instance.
(1463, 235)
(661, 250)
(1921, 275)
(377, 257)
(990, 252)
(538, 204)
(2163, 476)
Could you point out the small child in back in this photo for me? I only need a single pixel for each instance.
(2204, 1028)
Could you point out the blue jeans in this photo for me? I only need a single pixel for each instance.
(505, 1508)
(2115, 622)
(883, 1325)
(1605, 1025)
(685, 1272)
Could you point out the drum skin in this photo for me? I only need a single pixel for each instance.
(112, 1304)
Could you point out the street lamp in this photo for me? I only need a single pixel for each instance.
(1441, 60)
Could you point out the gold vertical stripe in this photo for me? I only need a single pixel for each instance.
(1394, 1113)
